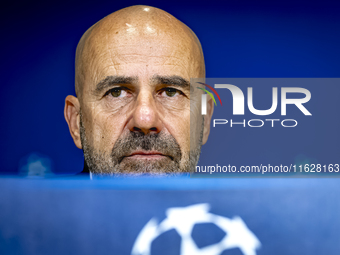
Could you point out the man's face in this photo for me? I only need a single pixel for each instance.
(135, 107)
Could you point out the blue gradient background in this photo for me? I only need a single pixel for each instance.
(239, 39)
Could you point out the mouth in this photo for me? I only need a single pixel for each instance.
(147, 155)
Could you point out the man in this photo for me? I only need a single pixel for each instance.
(134, 99)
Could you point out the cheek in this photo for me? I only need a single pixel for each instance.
(196, 119)
(178, 124)
(106, 129)
(184, 124)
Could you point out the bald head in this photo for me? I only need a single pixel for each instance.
(136, 110)
(140, 36)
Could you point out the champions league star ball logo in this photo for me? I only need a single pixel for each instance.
(183, 220)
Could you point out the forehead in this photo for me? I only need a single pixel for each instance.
(143, 50)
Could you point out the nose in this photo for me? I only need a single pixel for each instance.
(145, 116)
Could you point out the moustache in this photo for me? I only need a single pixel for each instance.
(161, 142)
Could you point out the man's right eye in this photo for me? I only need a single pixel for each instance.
(117, 92)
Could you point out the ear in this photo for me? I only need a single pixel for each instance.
(71, 113)
(207, 119)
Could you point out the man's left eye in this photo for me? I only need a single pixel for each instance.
(171, 92)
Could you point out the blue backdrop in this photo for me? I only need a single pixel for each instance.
(239, 39)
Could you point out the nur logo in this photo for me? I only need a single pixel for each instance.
(280, 97)
(204, 97)
(238, 99)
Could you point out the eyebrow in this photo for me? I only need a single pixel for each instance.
(174, 80)
(113, 80)
(110, 81)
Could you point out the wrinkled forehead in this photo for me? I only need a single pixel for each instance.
(151, 40)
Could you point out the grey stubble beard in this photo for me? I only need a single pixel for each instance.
(115, 163)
